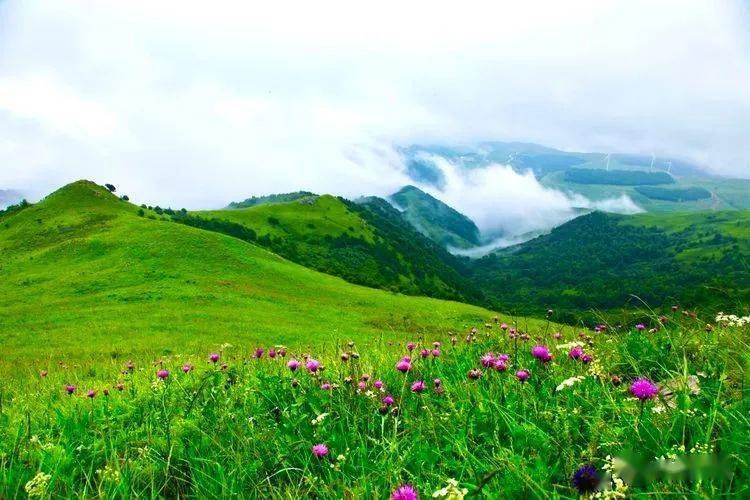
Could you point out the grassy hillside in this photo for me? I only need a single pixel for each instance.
(358, 242)
(603, 260)
(435, 219)
(84, 275)
(271, 198)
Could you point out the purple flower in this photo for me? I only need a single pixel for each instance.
(187, 367)
(585, 479)
(282, 352)
(474, 374)
(424, 353)
(344, 356)
(214, 357)
(91, 394)
(640, 327)
(70, 389)
(378, 384)
(162, 374)
(643, 389)
(272, 354)
(418, 386)
(312, 365)
(522, 375)
(541, 353)
(576, 352)
(259, 353)
(404, 492)
(325, 386)
(320, 450)
(487, 360)
(293, 364)
(503, 357)
(500, 365)
(361, 386)
(437, 382)
(436, 353)
(388, 400)
(410, 346)
(557, 335)
(404, 365)
(504, 326)
(587, 358)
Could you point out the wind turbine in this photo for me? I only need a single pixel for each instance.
(608, 157)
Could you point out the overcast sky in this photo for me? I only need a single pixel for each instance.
(196, 104)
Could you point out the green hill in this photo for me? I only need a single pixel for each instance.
(365, 243)
(84, 275)
(604, 260)
(271, 198)
(435, 219)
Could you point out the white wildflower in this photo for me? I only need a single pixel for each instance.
(569, 382)
(451, 491)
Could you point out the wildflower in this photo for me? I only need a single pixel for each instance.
(541, 353)
(320, 450)
(282, 352)
(378, 384)
(37, 486)
(424, 353)
(663, 319)
(70, 389)
(388, 400)
(272, 353)
(258, 353)
(91, 394)
(410, 346)
(503, 357)
(187, 367)
(293, 364)
(522, 375)
(130, 366)
(436, 353)
(451, 491)
(640, 327)
(487, 360)
(436, 344)
(585, 479)
(214, 357)
(325, 386)
(504, 326)
(313, 365)
(418, 386)
(576, 352)
(557, 335)
(405, 492)
(120, 386)
(362, 385)
(616, 380)
(437, 382)
(404, 365)
(587, 358)
(474, 374)
(295, 382)
(569, 382)
(43, 373)
(344, 356)
(500, 365)
(643, 389)
(162, 374)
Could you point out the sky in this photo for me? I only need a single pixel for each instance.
(195, 104)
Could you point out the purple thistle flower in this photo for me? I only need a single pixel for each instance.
(576, 352)
(187, 367)
(405, 492)
(320, 450)
(282, 352)
(259, 353)
(272, 353)
(587, 358)
(418, 386)
(640, 327)
(410, 346)
(437, 382)
(70, 389)
(522, 375)
(643, 389)
(214, 357)
(503, 357)
(474, 374)
(312, 365)
(378, 384)
(436, 353)
(500, 365)
(541, 353)
(162, 374)
(325, 386)
(504, 326)
(362, 385)
(388, 400)
(293, 364)
(425, 353)
(585, 479)
(404, 365)
(487, 360)
(91, 394)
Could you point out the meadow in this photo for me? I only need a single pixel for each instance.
(490, 411)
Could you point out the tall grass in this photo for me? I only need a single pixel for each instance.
(247, 428)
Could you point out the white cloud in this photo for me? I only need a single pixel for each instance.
(189, 104)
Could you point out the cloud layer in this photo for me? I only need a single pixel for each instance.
(190, 104)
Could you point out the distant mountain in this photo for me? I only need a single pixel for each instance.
(435, 219)
(367, 243)
(605, 261)
(271, 198)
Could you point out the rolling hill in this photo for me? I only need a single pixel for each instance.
(608, 261)
(84, 275)
(435, 219)
(366, 243)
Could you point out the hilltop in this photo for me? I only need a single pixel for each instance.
(83, 274)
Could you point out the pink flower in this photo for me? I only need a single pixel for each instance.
(522, 375)
(644, 389)
(70, 389)
(378, 384)
(320, 450)
(404, 365)
(187, 367)
(410, 346)
(487, 360)
(587, 358)
(272, 354)
(259, 353)
(640, 327)
(293, 364)
(282, 352)
(500, 365)
(557, 335)
(214, 357)
(91, 394)
(325, 386)
(404, 492)
(362, 386)
(504, 326)
(437, 382)
(162, 374)
(541, 353)
(388, 400)
(424, 353)
(576, 352)
(313, 365)
(418, 386)
(436, 353)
